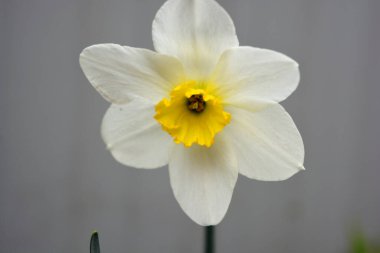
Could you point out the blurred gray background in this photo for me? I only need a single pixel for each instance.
(58, 183)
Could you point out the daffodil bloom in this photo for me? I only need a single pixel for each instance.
(201, 103)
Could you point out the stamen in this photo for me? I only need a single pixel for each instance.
(195, 103)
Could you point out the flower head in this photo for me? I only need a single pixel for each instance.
(202, 104)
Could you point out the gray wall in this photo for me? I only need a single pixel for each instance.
(58, 183)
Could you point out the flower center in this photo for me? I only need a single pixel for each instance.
(196, 104)
(192, 114)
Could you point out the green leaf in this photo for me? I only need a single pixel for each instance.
(359, 243)
(94, 243)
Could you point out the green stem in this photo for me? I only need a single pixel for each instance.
(209, 239)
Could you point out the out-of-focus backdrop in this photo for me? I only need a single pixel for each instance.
(58, 183)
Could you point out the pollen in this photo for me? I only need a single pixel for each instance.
(196, 104)
(192, 114)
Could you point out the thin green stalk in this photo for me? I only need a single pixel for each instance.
(209, 239)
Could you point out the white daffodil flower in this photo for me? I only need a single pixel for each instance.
(202, 104)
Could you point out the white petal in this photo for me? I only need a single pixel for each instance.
(134, 137)
(119, 73)
(196, 32)
(267, 143)
(203, 180)
(248, 76)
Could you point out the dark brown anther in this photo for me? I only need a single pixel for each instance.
(195, 103)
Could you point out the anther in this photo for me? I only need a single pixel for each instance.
(195, 103)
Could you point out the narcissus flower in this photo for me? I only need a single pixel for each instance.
(202, 104)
